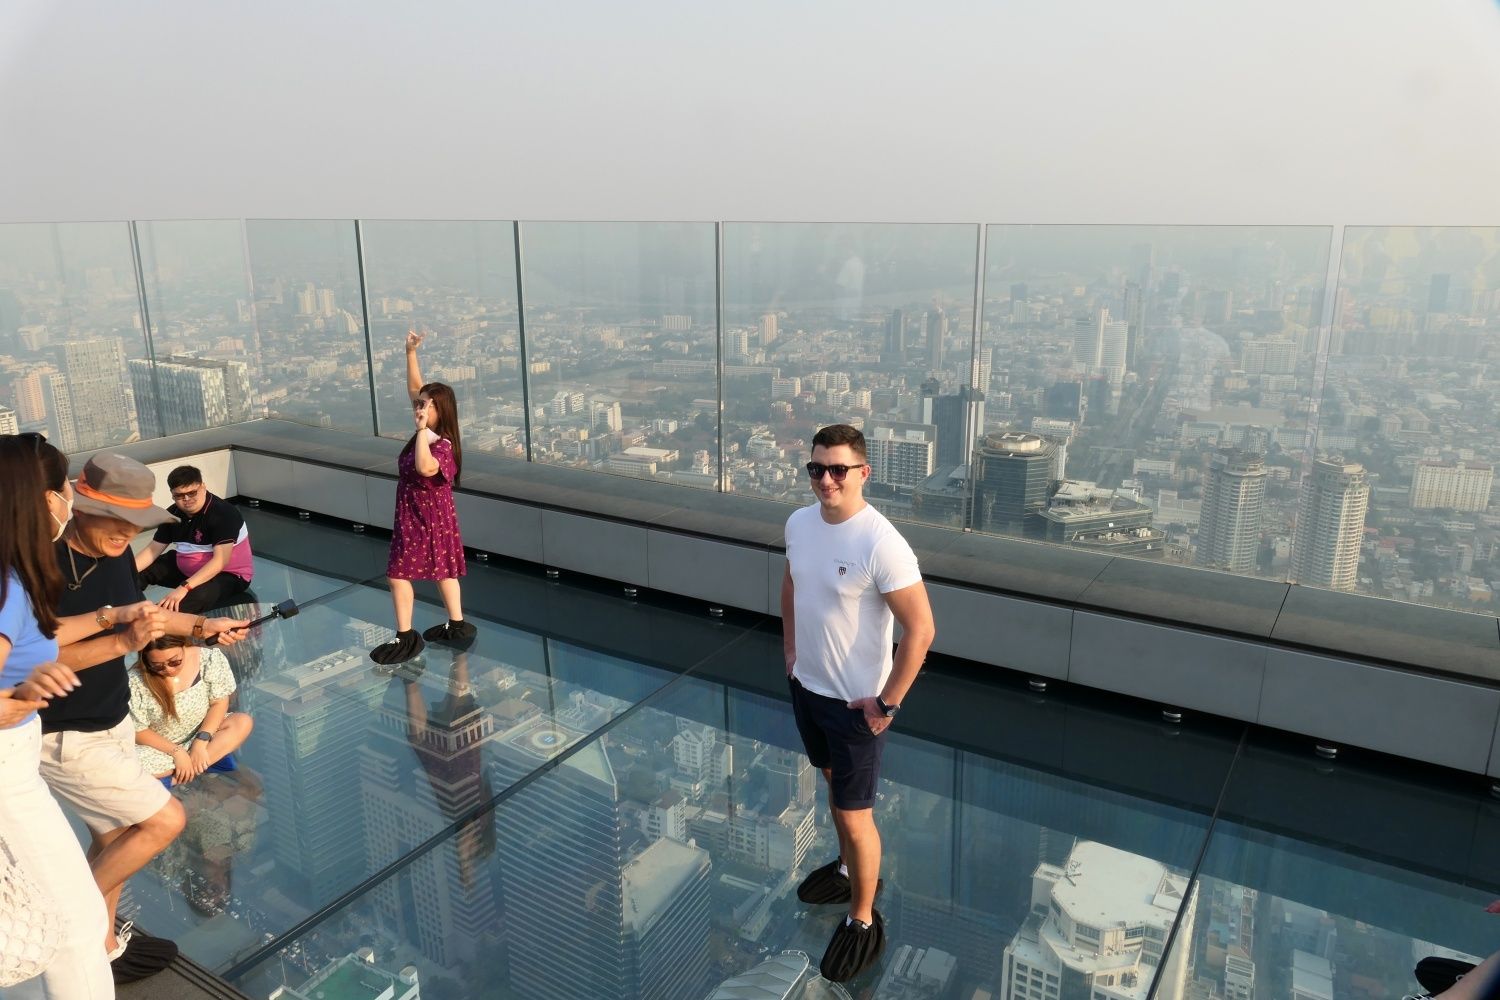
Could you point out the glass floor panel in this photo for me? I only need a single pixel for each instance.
(608, 799)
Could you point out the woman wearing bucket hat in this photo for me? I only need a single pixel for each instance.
(88, 742)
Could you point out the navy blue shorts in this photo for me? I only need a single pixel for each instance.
(838, 740)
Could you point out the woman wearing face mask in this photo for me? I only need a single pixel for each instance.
(34, 508)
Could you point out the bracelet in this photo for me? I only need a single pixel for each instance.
(187, 585)
(198, 626)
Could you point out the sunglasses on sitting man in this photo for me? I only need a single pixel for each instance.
(815, 471)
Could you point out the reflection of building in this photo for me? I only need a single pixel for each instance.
(311, 722)
(1330, 525)
(8, 422)
(1234, 493)
(1455, 485)
(1011, 473)
(421, 770)
(901, 454)
(1097, 929)
(355, 977)
(1088, 516)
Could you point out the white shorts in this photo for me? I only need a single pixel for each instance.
(99, 777)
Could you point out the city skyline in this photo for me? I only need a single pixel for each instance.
(1194, 340)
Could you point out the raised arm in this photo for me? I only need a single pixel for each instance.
(414, 381)
(147, 556)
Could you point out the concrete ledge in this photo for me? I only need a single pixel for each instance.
(1111, 623)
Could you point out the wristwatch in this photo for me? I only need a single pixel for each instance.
(888, 711)
(102, 620)
(204, 735)
(198, 626)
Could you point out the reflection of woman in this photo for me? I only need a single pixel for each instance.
(223, 819)
(179, 699)
(425, 543)
(450, 755)
(32, 825)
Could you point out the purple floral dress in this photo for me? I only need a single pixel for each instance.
(425, 544)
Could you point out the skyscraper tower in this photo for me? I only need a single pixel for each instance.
(1135, 316)
(895, 336)
(937, 332)
(1330, 525)
(96, 382)
(1234, 493)
(1012, 473)
(1113, 347)
(1088, 341)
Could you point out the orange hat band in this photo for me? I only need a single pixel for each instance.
(82, 486)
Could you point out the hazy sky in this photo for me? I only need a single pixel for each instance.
(1161, 111)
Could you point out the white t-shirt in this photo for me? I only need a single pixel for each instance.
(839, 572)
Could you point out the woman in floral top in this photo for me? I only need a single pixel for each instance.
(179, 700)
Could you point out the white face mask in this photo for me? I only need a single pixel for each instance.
(62, 524)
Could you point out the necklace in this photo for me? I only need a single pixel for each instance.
(78, 580)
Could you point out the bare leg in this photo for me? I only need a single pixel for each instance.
(230, 736)
(861, 846)
(119, 854)
(451, 599)
(402, 597)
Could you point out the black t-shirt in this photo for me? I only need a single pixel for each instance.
(218, 523)
(103, 697)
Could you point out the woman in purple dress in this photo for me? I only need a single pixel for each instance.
(425, 543)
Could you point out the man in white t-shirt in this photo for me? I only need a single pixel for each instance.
(850, 575)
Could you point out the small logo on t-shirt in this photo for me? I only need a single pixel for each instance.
(198, 535)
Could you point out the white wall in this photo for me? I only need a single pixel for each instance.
(1166, 111)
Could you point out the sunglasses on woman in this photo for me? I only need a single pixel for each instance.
(161, 668)
(815, 471)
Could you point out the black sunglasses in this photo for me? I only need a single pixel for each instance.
(815, 471)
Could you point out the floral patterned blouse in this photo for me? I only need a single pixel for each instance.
(215, 680)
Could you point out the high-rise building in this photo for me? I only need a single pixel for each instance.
(312, 722)
(191, 394)
(57, 404)
(1098, 929)
(937, 333)
(8, 422)
(1084, 515)
(1114, 345)
(1088, 341)
(959, 419)
(1012, 476)
(1330, 525)
(767, 330)
(355, 977)
(979, 371)
(96, 382)
(901, 454)
(1063, 401)
(1269, 357)
(1234, 495)
(446, 902)
(31, 402)
(1452, 485)
(1060, 433)
(666, 913)
(895, 335)
(1437, 292)
(1133, 308)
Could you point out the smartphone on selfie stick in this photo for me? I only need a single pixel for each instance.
(286, 609)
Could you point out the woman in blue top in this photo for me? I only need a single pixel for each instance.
(32, 825)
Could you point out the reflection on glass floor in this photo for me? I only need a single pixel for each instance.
(612, 803)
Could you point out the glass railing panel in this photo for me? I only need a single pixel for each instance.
(455, 282)
(72, 348)
(1334, 880)
(204, 330)
(870, 324)
(1401, 500)
(1152, 389)
(308, 310)
(620, 348)
(662, 859)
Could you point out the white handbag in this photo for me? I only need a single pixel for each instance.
(31, 923)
